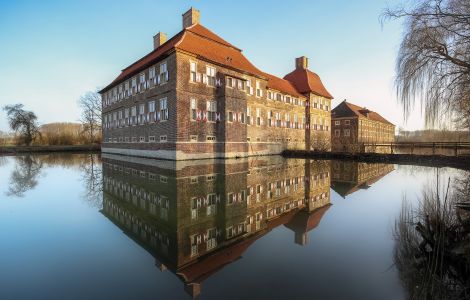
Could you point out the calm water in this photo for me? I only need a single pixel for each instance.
(86, 227)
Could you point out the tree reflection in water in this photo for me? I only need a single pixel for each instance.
(24, 175)
(91, 177)
(432, 250)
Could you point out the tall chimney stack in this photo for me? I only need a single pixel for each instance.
(159, 39)
(190, 17)
(301, 63)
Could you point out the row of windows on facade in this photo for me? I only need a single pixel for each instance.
(137, 84)
(139, 115)
(245, 85)
(368, 125)
(136, 225)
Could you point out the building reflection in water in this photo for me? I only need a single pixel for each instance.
(348, 177)
(196, 217)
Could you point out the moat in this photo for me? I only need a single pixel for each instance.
(86, 226)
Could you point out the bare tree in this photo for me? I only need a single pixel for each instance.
(433, 62)
(25, 175)
(22, 122)
(90, 103)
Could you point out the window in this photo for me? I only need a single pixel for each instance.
(163, 109)
(142, 80)
(230, 116)
(211, 110)
(279, 97)
(152, 139)
(163, 73)
(337, 123)
(193, 109)
(259, 91)
(241, 84)
(248, 115)
(229, 82)
(242, 118)
(210, 74)
(337, 132)
(346, 132)
(141, 109)
(347, 122)
(193, 71)
(142, 139)
(152, 106)
(249, 88)
(152, 74)
(258, 116)
(163, 139)
(193, 138)
(210, 138)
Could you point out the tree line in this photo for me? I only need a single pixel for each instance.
(27, 130)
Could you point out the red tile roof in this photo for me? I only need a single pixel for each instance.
(344, 107)
(282, 85)
(205, 44)
(305, 81)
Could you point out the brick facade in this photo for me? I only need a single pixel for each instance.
(355, 129)
(238, 109)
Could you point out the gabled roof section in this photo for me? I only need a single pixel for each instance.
(346, 109)
(306, 81)
(282, 85)
(197, 40)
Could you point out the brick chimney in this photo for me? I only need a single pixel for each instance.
(159, 39)
(190, 17)
(301, 63)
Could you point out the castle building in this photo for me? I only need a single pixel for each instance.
(356, 128)
(195, 217)
(197, 96)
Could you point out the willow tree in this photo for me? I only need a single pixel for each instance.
(433, 62)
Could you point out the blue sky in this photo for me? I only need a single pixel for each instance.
(51, 52)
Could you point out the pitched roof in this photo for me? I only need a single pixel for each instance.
(282, 85)
(197, 40)
(346, 109)
(306, 81)
(200, 41)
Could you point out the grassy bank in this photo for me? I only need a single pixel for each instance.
(459, 162)
(42, 149)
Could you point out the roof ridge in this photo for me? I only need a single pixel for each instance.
(221, 42)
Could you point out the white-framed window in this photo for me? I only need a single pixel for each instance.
(141, 109)
(258, 116)
(241, 84)
(337, 123)
(210, 138)
(193, 109)
(230, 117)
(259, 91)
(163, 73)
(152, 74)
(152, 106)
(134, 85)
(249, 88)
(142, 81)
(193, 138)
(210, 74)
(229, 82)
(192, 71)
(346, 132)
(142, 139)
(337, 133)
(211, 110)
(163, 139)
(279, 97)
(163, 109)
(151, 139)
(248, 115)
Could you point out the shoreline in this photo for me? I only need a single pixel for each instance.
(457, 162)
(45, 149)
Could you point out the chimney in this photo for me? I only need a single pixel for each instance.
(159, 39)
(190, 17)
(301, 63)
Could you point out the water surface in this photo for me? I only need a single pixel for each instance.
(78, 226)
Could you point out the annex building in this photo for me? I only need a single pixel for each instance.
(197, 96)
(358, 129)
